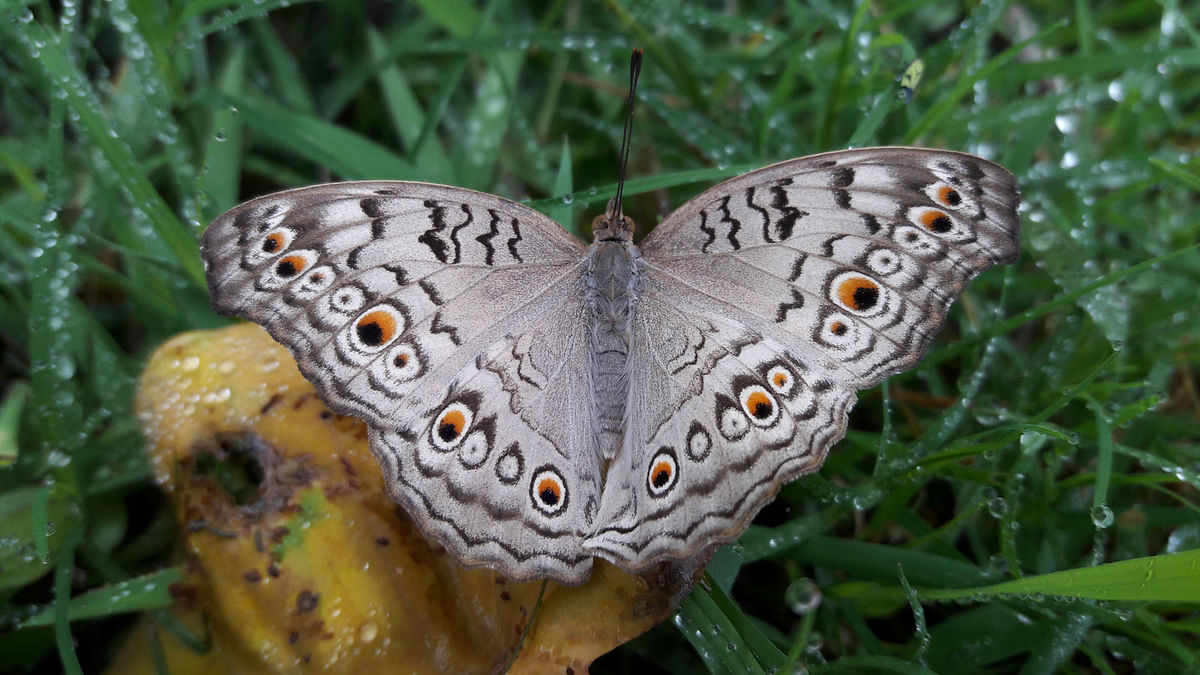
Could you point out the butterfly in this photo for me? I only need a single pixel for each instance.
(536, 402)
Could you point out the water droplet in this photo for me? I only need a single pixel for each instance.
(1065, 122)
(1102, 516)
(58, 459)
(64, 367)
(802, 595)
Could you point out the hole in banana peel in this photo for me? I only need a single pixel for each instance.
(235, 463)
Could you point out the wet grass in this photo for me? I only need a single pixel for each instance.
(1052, 433)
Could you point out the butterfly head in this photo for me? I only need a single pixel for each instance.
(613, 225)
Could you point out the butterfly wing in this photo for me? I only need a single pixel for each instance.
(447, 319)
(764, 304)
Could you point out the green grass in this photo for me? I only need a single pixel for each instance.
(1054, 429)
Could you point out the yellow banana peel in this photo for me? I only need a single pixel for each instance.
(297, 559)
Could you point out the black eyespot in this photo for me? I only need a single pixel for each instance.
(370, 333)
(663, 472)
(549, 491)
(865, 297)
(451, 426)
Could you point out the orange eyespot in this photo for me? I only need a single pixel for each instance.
(273, 242)
(949, 196)
(403, 364)
(858, 293)
(838, 328)
(452, 425)
(936, 221)
(549, 491)
(376, 328)
(662, 474)
(759, 405)
(290, 266)
(781, 380)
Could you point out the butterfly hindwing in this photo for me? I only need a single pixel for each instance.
(719, 419)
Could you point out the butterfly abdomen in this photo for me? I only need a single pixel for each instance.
(611, 277)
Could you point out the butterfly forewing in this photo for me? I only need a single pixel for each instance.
(851, 256)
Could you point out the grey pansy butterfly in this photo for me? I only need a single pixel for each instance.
(536, 402)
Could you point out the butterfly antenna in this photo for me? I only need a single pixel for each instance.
(635, 70)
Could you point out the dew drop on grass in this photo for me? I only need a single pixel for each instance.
(816, 642)
(802, 596)
(64, 367)
(1183, 538)
(1066, 122)
(1102, 516)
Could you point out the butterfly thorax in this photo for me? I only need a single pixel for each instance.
(614, 264)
